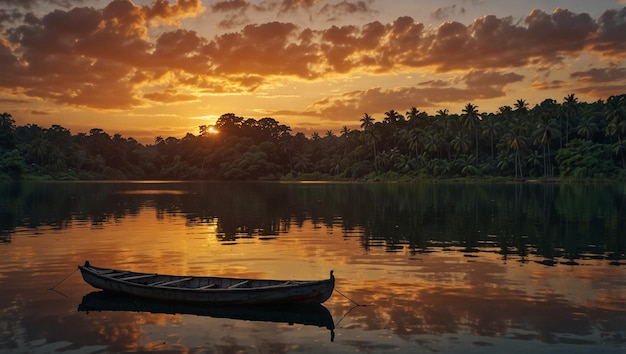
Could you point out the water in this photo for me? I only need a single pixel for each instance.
(436, 267)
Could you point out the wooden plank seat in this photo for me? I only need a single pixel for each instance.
(208, 286)
(156, 283)
(172, 282)
(133, 277)
(117, 274)
(108, 271)
(238, 284)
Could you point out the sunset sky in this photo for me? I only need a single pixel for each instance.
(148, 68)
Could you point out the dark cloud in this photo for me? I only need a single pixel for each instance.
(610, 39)
(8, 17)
(25, 4)
(345, 8)
(600, 75)
(287, 6)
(332, 11)
(30, 4)
(443, 13)
(230, 5)
(93, 58)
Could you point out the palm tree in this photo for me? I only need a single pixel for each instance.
(491, 128)
(468, 163)
(615, 109)
(616, 117)
(461, 142)
(393, 117)
(521, 112)
(345, 131)
(413, 116)
(370, 136)
(546, 130)
(7, 131)
(404, 164)
(301, 162)
(432, 143)
(470, 119)
(367, 122)
(515, 140)
(415, 140)
(570, 110)
(587, 126)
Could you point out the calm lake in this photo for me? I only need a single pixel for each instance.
(461, 268)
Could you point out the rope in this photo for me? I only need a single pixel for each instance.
(64, 279)
(354, 302)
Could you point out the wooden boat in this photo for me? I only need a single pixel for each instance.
(208, 290)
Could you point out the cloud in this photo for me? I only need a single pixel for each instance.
(443, 13)
(26, 4)
(346, 8)
(610, 39)
(600, 75)
(106, 58)
(169, 96)
(273, 48)
(39, 113)
(548, 85)
(230, 5)
(601, 82)
(478, 85)
(236, 12)
(287, 6)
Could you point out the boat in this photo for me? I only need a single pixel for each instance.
(208, 290)
(304, 314)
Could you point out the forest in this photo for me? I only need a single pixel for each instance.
(550, 141)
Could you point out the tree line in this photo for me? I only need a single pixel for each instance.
(570, 139)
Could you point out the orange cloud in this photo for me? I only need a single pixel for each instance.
(84, 55)
(279, 54)
(169, 96)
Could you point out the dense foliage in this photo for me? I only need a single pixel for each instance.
(569, 139)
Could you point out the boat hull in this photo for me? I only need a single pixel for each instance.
(273, 292)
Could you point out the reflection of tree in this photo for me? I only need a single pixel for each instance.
(551, 221)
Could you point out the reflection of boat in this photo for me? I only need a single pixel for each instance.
(214, 290)
(306, 314)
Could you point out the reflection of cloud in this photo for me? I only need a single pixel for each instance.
(476, 303)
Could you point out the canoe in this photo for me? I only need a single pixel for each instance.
(304, 314)
(208, 290)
